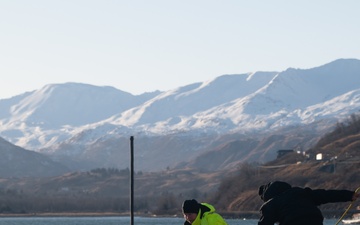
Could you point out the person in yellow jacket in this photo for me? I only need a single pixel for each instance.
(201, 214)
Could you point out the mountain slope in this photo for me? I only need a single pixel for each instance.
(231, 190)
(18, 162)
(86, 125)
(194, 98)
(49, 114)
(338, 169)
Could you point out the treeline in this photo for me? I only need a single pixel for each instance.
(71, 198)
(108, 172)
(15, 202)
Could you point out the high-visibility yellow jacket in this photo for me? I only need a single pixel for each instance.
(208, 216)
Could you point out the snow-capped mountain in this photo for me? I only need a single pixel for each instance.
(250, 101)
(49, 115)
(90, 122)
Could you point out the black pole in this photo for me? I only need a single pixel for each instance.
(131, 180)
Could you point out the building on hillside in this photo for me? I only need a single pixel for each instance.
(283, 152)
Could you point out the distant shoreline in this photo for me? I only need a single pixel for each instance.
(229, 215)
(328, 214)
(69, 214)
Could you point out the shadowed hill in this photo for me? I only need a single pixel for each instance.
(18, 162)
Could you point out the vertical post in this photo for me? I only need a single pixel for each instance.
(131, 180)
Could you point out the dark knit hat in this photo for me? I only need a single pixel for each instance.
(190, 206)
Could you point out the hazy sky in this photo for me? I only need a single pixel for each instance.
(146, 45)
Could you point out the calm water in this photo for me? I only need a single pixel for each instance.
(113, 221)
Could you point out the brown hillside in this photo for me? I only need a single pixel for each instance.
(338, 169)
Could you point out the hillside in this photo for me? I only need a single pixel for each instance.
(18, 162)
(338, 169)
(232, 190)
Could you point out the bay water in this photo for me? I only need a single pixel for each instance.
(115, 221)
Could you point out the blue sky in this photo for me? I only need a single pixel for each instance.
(141, 45)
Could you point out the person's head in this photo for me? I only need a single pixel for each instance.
(190, 209)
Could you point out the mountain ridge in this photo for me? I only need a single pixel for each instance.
(247, 105)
